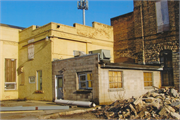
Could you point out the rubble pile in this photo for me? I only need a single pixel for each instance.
(161, 103)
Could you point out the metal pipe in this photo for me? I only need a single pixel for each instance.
(78, 103)
(83, 16)
(142, 27)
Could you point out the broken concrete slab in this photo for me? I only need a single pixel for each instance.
(175, 115)
(174, 92)
(138, 100)
(132, 109)
(147, 107)
(170, 108)
(148, 100)
(176, 104)
(154, 94)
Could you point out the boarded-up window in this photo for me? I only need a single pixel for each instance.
(115, 79)
(10, 73)
(162, 16)
(31, 49)
(148, 79)
(85, 80)
(10, 70)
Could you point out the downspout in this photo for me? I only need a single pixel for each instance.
(87, 48)
(142, 26)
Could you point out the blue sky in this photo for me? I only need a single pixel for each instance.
(25, 13)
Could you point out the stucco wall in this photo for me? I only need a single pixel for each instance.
(80, 37)
(60, 45)
(133, 85)
(41, 61)
(9, 38)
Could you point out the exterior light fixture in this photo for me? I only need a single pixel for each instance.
(47, 38)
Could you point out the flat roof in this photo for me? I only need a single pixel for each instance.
(156, 67)
(11, 26)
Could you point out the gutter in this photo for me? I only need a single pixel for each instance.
(132, 68)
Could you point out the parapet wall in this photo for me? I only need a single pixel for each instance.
(97, 31)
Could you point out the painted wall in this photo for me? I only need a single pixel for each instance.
(60, 45)
(41, 61)
(133, 85)
(9, 38)
(83, 38)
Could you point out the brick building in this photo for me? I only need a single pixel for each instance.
(85, 78)
(150, 35)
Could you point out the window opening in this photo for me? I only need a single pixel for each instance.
(167, 73)
(115, 79)
(85, 81)
(148, 79)
(10, 74)
(39, 80)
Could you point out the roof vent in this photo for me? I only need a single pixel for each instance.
(104, 55)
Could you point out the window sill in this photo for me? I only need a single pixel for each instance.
(84, 91)
(39, 92)
(148, 87)
(10, 90)
(115, 89)
(166, 86)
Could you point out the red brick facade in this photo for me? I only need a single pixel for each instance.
(137, 40)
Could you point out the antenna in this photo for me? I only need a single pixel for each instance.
(83, 5)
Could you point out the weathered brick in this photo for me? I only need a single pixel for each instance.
(128, 35)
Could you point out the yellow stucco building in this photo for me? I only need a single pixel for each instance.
(9, 38)
(34, 48)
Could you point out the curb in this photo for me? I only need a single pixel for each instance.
(69, 112)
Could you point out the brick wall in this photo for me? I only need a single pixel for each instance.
(153, 42)
(71, 67)
(175, 57)
(123, 34)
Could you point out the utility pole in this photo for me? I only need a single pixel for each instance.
(83, 5)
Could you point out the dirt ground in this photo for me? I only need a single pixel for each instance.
(33, 115)
(87, 115)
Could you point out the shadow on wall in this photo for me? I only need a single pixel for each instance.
(125, 60)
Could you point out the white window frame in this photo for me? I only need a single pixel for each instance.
(15, 85)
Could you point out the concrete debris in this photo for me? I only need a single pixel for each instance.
(175, 115)
(161, 103)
